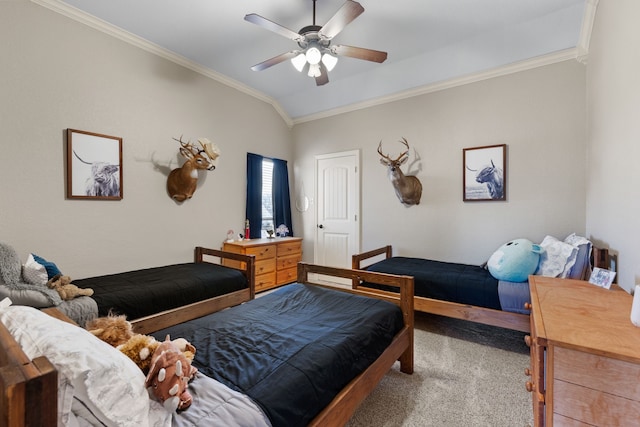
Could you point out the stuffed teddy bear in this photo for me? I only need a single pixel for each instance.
(169, 375)
(112, 329)
(66, 289)
(515, 260)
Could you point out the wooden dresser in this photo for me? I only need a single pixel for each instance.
(585, 355)
(276, 259)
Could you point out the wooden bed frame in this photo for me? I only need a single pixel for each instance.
(29, 387)
(247, 267)
(487, 316)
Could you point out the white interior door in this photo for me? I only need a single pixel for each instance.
(337, 208)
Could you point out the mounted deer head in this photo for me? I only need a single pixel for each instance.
(181, 182)
(408, 188)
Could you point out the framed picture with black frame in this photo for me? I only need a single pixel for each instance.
(94, 166)
(484, 173)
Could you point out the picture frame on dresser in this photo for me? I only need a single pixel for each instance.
(601, 277)
(94, 166)
(484, 173)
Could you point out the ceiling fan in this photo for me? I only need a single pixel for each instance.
(316, 53)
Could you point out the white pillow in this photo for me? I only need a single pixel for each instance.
(557, 259)
(34, 273)
(582, 268)
(111, 382)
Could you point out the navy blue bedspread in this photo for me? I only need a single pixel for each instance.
(147, 291)
(292, 350)
(445, 281)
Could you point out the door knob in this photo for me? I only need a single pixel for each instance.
(320, 226)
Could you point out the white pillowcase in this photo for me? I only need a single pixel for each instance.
(88, 369)
(557, 259)
(582, 268)
(34, 273)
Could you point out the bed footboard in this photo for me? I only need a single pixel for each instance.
(347, 401)
(28, 394)
(247, 261)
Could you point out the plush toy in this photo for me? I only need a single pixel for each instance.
(515, 261)
(66, 289)
(112, 329)
(185, 347)
(140, 348)
(169, 376)
(117, 331)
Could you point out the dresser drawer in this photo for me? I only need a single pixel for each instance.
(289, 248)
(265, 266)
(265, 281)
(593, 407)
(262, 252)
(286, 262)
(287, 276)
(614, 376)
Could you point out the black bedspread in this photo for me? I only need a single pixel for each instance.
(139, 293)
(292, 350)
(446, 281)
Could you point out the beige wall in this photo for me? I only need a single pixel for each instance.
(539, 114)
(613, 93)
(58, 74)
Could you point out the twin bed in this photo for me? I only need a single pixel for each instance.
(139, 293)
(462, 291)
(305, 355)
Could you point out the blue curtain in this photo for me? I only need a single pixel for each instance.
(281, 198)
(254, 194)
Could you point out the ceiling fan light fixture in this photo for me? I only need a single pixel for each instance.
(329, 61)
(299, 61)
(313, 55)
(314, 70)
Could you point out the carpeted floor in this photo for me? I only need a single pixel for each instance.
(465, 374)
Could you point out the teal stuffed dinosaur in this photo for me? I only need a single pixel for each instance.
(515, 261)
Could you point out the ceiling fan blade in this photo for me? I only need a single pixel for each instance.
(360, 53)
(272, 26)
(347, 13)
(275, 60)
(323, 78)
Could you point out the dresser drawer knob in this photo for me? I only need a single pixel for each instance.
(527, 340)
(529, 386)
(527, 306)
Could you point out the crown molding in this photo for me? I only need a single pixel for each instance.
(107, 28)
(516, 67)
(588, 19)
(579, 53)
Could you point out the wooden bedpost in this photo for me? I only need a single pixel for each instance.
(356, 260)
(28, 388)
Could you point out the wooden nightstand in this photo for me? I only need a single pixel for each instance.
(276, 259)
(585, 355)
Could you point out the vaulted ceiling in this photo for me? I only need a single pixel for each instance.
(430, 43)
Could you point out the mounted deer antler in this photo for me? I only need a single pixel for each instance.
(408, 188)
(182, 181)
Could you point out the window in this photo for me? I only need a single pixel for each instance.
(267, 197)
(268, 202)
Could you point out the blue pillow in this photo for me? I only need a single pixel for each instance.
(515, 260)
(51, 268)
